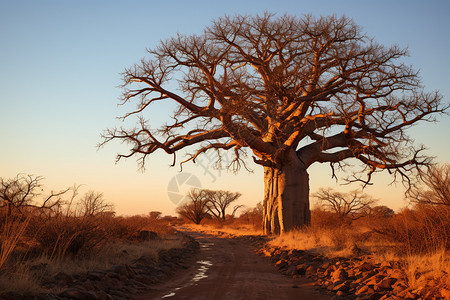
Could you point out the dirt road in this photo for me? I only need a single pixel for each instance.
(227, 268)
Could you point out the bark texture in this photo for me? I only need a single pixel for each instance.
(286, 196)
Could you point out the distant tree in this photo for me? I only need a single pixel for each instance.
(26, 191)
(155, 215)
(353, 204)
(253, 215)
(436, 189)
(93, 204)
(382, 211)
(195, 209)
(219, 201)
(293, 91)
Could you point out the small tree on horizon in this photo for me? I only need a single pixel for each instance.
(195, 209)
(93, 204)
(354, 204)
(291, 91)
(219, 201)
(382, 211)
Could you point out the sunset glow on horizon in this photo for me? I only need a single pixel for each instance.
(60, 72)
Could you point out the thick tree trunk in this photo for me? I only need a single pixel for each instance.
(286, 196)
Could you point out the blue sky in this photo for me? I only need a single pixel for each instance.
(60, 65)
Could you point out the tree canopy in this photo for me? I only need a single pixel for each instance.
(288, 88)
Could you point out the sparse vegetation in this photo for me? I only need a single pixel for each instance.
(41, 236)
(205, 204)
(219, 201)
(354, 204)
(196, 209)
(417, 237)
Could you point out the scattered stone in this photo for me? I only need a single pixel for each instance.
(63, 278)
(291, 270)
(353, 278)
(78, 294)
(340, 274)
(301, 269)
(386, 284)
(375, 296)
(365, 266)
(362, 290)
(445, 294)
(120, 269)
(310, 270)
(146, 235)
(96, 276)
(326, 265)
(281, 264)
(343, 287)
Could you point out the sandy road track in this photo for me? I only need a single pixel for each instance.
(227, 268)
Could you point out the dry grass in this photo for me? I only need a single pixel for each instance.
(22, 281)
(28, 279)
(11, 232)
(35, 248)
(426, 269)
(224, 230)
(418, 237)
(249, 223)
(108, 256)
(331, 242)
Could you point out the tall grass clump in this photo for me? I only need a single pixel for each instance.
(329, 234)
(421, 230)
(12, 230)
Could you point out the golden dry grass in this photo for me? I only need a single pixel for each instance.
(36, 248)
(226, 230)
(409, 237)
(424, 269)
(27, 281)
(11, 233)
(331, 242)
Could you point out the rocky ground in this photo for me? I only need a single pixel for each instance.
(352, 278)
(120, 281)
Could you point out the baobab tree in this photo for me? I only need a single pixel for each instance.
(293, 91)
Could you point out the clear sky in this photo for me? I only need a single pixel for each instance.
(60, 65)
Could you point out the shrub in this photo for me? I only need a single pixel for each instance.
(423, 229)
(67, 235)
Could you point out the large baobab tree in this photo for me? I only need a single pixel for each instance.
(293, 91)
